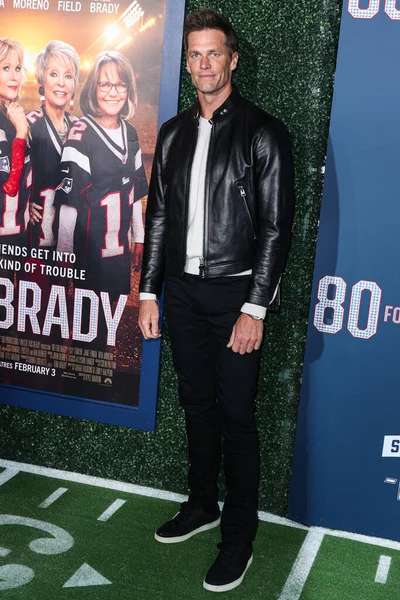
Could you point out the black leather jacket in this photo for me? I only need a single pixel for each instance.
(248, 202)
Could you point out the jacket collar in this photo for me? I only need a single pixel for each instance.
(222, 111)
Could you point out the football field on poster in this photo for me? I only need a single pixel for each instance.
(66, 535)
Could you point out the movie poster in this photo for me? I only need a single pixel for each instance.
(69, 287)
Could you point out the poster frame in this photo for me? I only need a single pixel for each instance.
(142, 416)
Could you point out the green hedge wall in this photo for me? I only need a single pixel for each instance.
(287, 61)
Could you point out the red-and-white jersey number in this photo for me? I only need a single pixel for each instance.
(112, 203)
(76, 131)
(9, 225)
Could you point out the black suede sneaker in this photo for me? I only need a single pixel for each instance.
(187, 522)
(229, 568)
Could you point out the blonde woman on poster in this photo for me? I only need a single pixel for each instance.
(57, 73)
(14, 156)
(103, 180)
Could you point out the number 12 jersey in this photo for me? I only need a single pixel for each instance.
(102, 180)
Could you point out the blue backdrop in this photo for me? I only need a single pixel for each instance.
(345, 472)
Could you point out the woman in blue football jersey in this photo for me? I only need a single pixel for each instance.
(57, 73)
(104, 180)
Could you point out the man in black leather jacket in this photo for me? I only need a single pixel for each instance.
(217, 230)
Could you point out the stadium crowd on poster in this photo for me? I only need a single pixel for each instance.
(69, 336)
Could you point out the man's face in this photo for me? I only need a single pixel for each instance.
(209, 61)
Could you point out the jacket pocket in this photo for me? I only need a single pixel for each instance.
(243, 197)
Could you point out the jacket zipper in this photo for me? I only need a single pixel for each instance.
(242, 192)
(201, 267)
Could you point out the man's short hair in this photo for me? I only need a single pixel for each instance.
(205, 18)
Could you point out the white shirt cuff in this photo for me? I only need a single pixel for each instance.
(254, 309)
(147, 296)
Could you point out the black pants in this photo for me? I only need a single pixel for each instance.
(217, 388)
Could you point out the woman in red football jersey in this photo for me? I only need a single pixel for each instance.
(14, 159)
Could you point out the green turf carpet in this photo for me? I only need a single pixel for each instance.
(80, 557)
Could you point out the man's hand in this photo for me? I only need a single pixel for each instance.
(149, 316)
(246, 335)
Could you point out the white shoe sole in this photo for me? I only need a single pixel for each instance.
(228, 586)
(183, 538)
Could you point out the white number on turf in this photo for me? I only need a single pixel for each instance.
(59, 543)
(14, 576)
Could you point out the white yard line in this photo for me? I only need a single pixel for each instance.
(8, 474)
(359, 537)
(110, 484)
(111, 510)
(53, 497)
(270, 518)
(302, 566)
(131, 488)
(382, 571)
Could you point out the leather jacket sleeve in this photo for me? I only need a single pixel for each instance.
(154, 247)
(274, 192)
